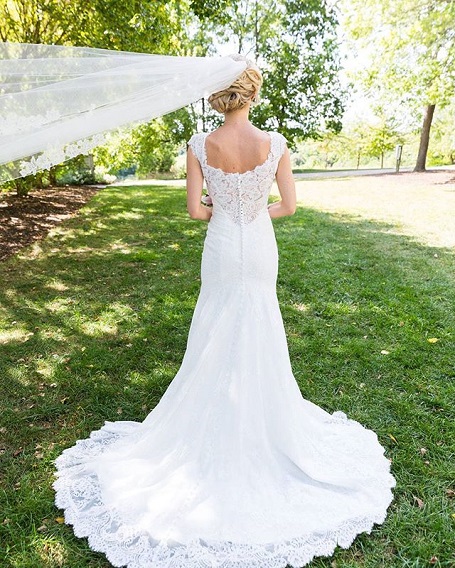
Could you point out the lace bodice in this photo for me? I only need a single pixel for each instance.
(241, 195)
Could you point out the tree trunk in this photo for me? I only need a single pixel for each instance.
(52, 176)
(256, 32)
(424, 139)
(204, 127)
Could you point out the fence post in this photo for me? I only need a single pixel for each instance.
(398, 152)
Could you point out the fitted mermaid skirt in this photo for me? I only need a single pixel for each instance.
(233, 467)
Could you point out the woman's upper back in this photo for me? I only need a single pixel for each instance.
(237, 150)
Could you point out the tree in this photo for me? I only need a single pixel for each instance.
(330, 148)
(412, 54)
(381, 138)
(151, 26)
(294, 43)
(154, 26)
(43, 21)
(442, 149)
(356, 141)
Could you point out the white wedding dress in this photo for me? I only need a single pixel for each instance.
(233, 468)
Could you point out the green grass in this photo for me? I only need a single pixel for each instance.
(93, 327)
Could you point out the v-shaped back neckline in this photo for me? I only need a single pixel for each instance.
(206, 164)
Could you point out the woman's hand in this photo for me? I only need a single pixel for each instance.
(280, 209)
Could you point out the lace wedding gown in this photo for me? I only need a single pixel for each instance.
(233, 468)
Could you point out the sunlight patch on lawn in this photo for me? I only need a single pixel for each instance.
(417, 205)
(341, 307)
(45, 368)
(63, 232)
(127, 215)
(54, 334)
(190, 232)
(99, 328)
(106, 323)
(301, 307)
(58, 305)
(10, 293)
(34, 251)
(57, 285)
(121, 247)
(51, 552)
(14, 335)
(79, 250)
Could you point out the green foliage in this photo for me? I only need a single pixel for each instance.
(43, 21)
(155, 150)
(22, 186)
(359, 144)
(295, 45)
(76, 171)
(154, 26)
(411, 53)
(302, 94)
(412, 47)
(442, 148)
(118, 153)
(158, 141)
(148, 148)
(324, 152)
(218, 11)
(381, 138)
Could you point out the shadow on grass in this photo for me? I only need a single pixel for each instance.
(94, 323)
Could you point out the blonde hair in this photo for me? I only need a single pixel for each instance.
(245, 88)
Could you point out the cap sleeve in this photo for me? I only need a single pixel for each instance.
(195, 143)
(282, 144)
(279, 145)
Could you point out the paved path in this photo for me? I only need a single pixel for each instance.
(347, 173)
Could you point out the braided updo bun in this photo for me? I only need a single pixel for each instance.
(244, 89)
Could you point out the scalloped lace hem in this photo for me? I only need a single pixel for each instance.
(115, 536)
(295, 553)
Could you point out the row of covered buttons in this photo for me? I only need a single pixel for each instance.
(240, 196)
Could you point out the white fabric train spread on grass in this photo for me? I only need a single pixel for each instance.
(233, 468)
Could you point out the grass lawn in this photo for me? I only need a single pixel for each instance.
(420, 205)
(93, 327)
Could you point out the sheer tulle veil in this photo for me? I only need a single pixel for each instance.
(57, 102)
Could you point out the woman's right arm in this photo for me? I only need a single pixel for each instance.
(194, 184)
(286, 187)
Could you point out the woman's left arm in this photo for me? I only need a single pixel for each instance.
(194, 184)
(286, 187)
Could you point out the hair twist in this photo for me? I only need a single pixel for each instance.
(244, 89)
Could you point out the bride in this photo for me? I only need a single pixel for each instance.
(233, 468)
